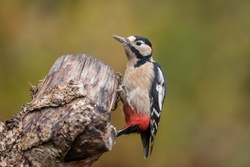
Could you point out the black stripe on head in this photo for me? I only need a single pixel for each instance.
(141, 59)
(137, 53)
(138, 38)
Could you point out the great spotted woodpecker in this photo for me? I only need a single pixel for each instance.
(145, 88)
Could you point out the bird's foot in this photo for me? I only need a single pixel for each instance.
(121, 87)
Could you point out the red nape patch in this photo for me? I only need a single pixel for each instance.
(133, 118)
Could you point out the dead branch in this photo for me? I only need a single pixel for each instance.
(67, 123)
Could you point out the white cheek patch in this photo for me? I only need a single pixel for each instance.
(144, 49)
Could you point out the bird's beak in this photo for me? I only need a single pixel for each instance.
(121, 39)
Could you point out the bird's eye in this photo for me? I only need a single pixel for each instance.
(138, 43)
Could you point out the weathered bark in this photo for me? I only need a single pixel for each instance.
(67, 123)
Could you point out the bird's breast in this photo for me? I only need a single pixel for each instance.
(138, 82)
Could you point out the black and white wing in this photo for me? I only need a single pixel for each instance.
(158, 92)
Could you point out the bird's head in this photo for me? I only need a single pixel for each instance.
(136, 47)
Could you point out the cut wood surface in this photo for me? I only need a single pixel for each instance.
(67, 123)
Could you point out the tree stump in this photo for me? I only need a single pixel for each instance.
(67, 123)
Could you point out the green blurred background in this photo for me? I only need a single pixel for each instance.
(203, 47)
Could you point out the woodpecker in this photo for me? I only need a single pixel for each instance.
(144, 91)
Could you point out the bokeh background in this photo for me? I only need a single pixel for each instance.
(203, 47)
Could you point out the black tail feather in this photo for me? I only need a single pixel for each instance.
(152, 145)
(145, 137)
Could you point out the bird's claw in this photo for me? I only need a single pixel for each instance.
(120, 88)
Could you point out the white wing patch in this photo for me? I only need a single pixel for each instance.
(160, 88)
